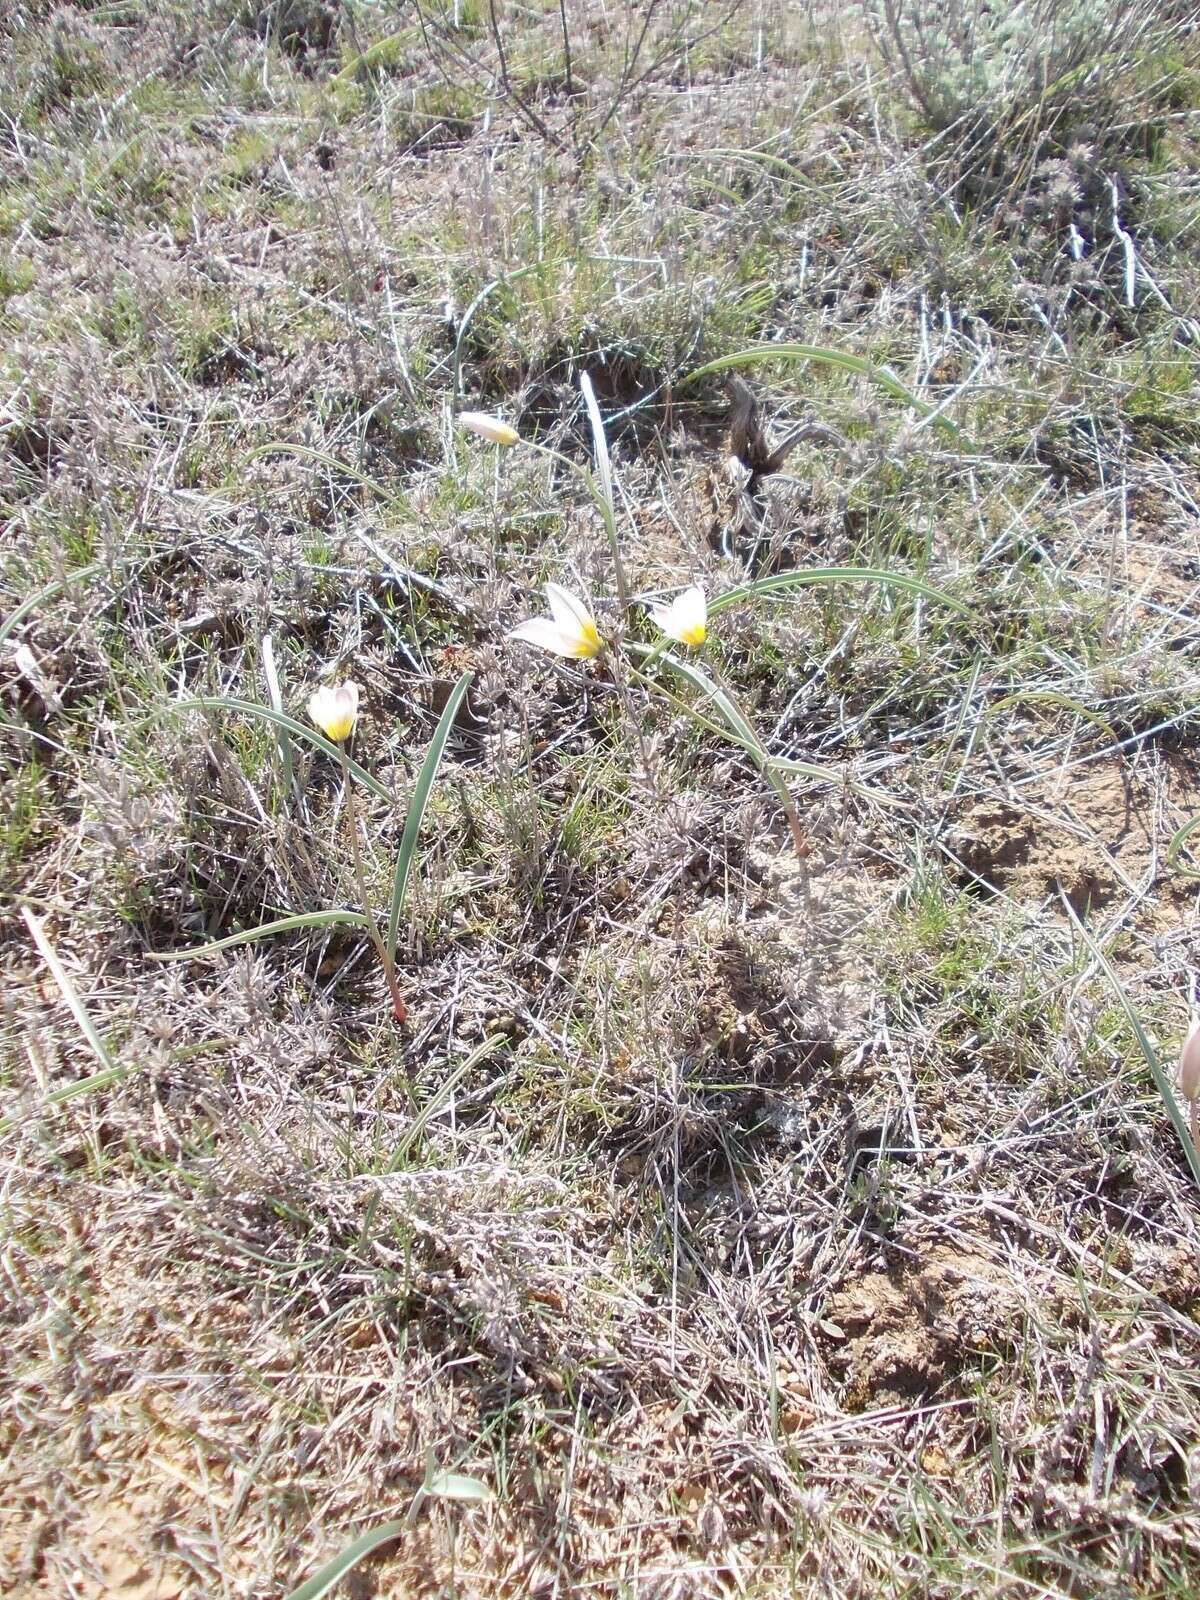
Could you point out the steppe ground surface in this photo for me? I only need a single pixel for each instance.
(735, 1222)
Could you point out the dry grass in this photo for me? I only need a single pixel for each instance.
(753, 1226)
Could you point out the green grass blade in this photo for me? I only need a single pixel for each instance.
(381, 54)
(726, 708)
(302, 919)
(80, 575)
(69, 1091)
(416, 807)
(599, 442)
(882, 377)
(761, 158)
(112, 1072)
(730, 713)
(803, 576)
(810, 769)
(1161, 1082)
(298, 730)
(282, 737)
(1178, 839)
(333, 1571)
(436, 1101)
(69, 993)
(604, 495)
(737, 727)
(1051, 697)
(485, 293)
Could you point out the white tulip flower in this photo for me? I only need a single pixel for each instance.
(685, 619)
(570, 630)
(334, 710)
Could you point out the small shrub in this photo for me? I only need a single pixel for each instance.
(75, 63)
(984, 69)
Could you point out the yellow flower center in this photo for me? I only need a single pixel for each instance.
(337, 728)
(694, 635)
(589, 642)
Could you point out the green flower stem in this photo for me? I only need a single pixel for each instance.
(603, 504)
(799, 836)
(713, 683)
(400, 1010)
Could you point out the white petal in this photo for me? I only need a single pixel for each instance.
(547, 635)
(494, 429)
(686, 615)
(334, 709)
(1189, 1065)
(569, 612)
(320, 705)
(691, 608)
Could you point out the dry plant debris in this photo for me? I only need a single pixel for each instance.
(718, 1221)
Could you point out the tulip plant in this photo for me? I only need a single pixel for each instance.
(333, 713)
(335, 710)
(571, 629)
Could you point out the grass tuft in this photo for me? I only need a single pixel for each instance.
(741, 1207)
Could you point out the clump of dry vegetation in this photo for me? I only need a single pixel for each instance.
(723, 1217)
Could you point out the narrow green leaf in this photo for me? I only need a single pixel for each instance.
(762, 158)
(723, 189)
(603, 496)
(1161, 1082)
(731, 714)
(810, 769)
(882, 377)
(727, 709)
(298, 730)
(306, 453)
(382, 53)
(416, 807)
(488, 290)
(803, 576)
(436, 1101)
(1051, 697)
(282, 737)
(458, 1486)
(68, 1091)
(323, 1581)
(112, 1071)
(69, 993)
(80, 575)
(1178, 840)
(599, 442)
(836, 776)
(303, 919)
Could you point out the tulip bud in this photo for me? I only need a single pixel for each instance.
(334, 710)
(490, 428)
(1189, 1065)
